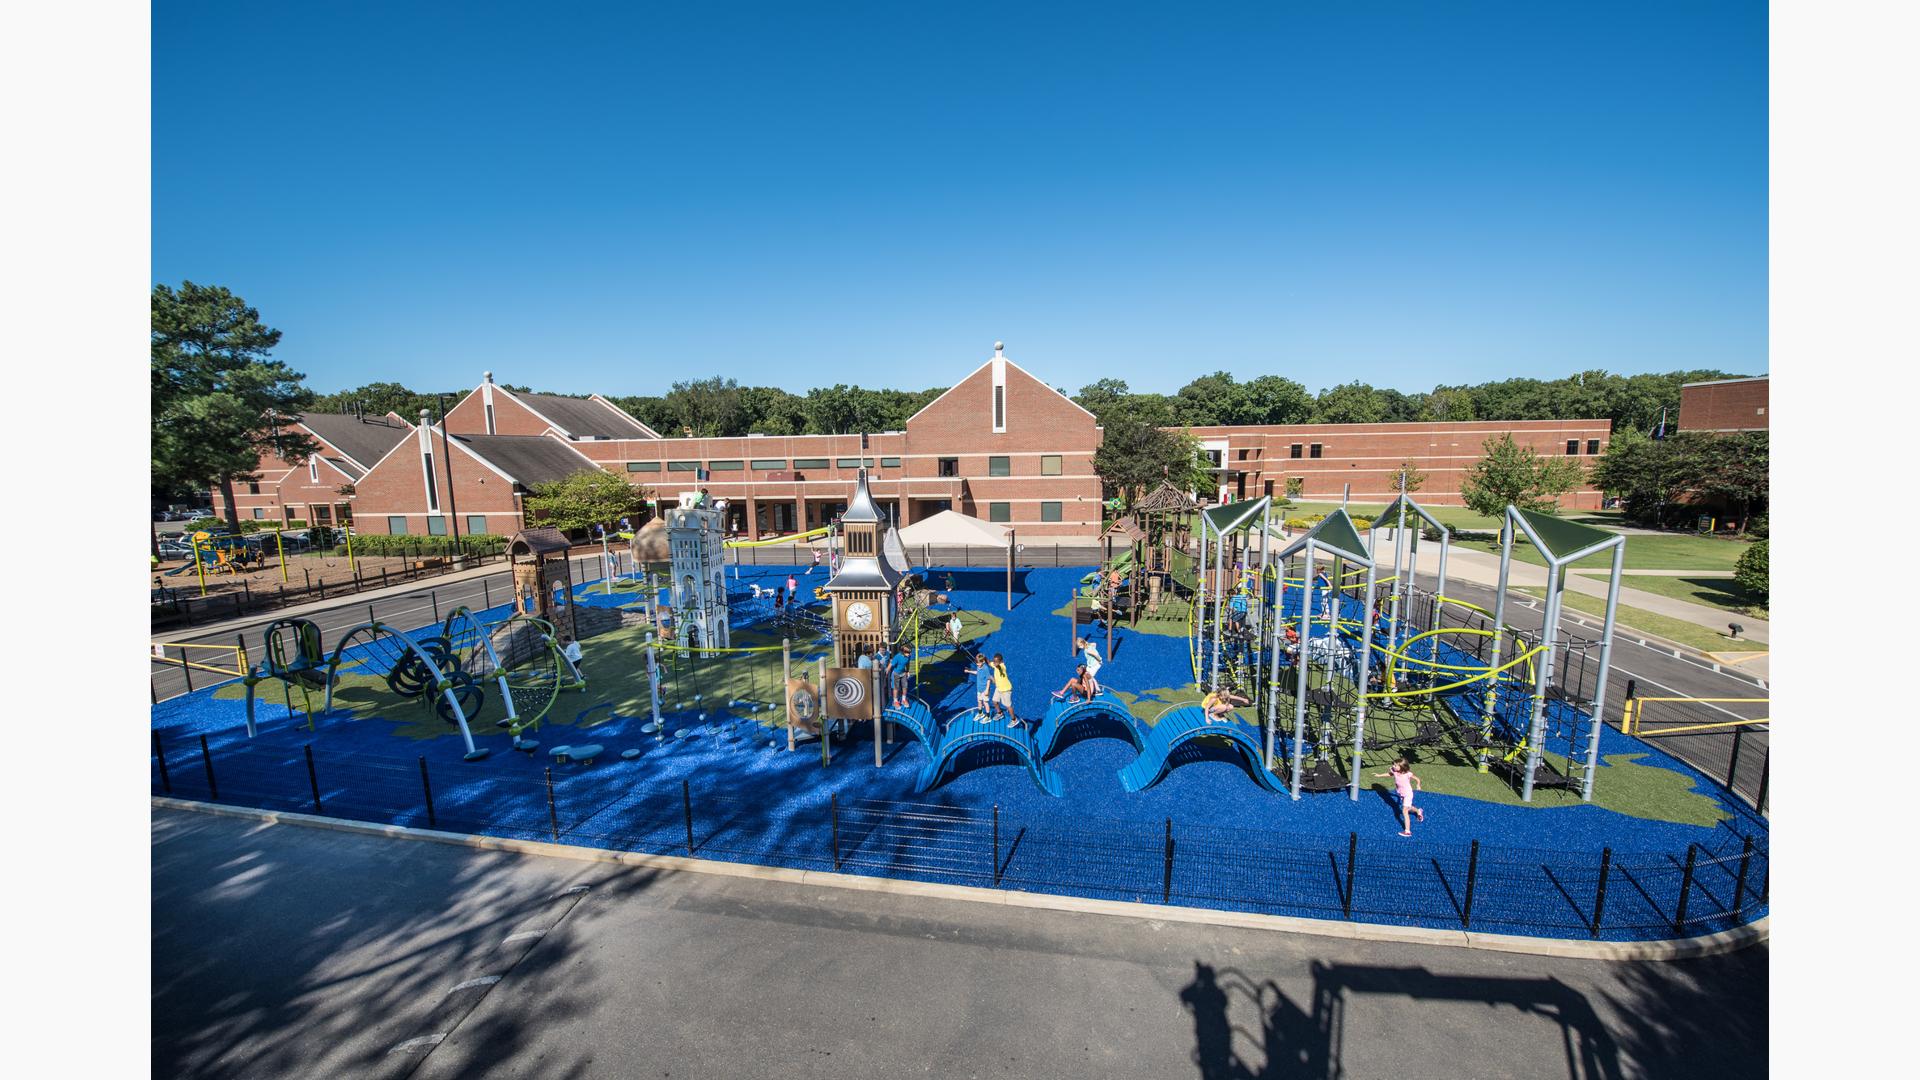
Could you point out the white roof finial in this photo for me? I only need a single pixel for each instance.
(487, 375)
(999, 347)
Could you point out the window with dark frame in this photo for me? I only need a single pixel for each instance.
(999, 511)
(1314, 450)
(1593, 446)
(1049, 511)
(1573, 446)
(949, 466)
(1050, 464)
(999, 465)
(397, 525)
(1294, 450)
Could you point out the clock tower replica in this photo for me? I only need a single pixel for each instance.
(863, 592)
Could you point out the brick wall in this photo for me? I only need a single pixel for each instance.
(397, 487)
(1368, 456)
(1730, 405)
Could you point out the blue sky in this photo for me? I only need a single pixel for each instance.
(613, 198)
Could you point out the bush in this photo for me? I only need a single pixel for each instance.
(422, 546)
(1757, 527)
(1751, 571)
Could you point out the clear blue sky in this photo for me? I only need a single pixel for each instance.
(799, 194)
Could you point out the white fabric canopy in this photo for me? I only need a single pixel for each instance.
(951, 528)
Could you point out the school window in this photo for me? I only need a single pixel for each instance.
(999, 408)
(643, 466)
(998, 466)
(726, 466)
(476, 524)
(949, 466)
(809, 463)
(490, 430)
(1049, 511)
(1294, 450)
(259, 512)
(397, 525)
(683, 466)
(1593, 446)
(1314, 450)
(313, 470)
(253, 487)
(852, 462)
(1049, 464)
(889, 462)
(1573, 446)
(433, 489)
(1000, 511)
(437, 525)
(769, 464)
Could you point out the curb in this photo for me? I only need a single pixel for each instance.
(1724, 941)
(1679, 651)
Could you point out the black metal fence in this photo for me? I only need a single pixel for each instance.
(1476, 886)
(1030, 554)
(178, 603)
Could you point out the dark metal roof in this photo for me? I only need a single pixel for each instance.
(862, 508)
(354, 472)
(541, 541)
(582, 417)
(364, 440)
(528, 460)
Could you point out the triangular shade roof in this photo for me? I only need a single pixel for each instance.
(1390, 517)
(1559, 537)
(1336, 534)
(951, 528)
(1236, 515)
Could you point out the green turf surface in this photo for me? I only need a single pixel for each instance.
(1680, 631)
(1723, 593)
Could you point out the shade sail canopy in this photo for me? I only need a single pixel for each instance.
(1335, 534)
(1224, 519)
(951, 528)
(1558, 537)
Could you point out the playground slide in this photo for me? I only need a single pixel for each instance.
(1190, 722)
(1064, 712)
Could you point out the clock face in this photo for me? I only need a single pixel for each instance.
(859, 616)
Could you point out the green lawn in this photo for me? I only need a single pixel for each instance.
(1716, 592)
(1685, 633)
(1661, 551)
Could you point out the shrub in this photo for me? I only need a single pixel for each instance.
(1757, 527)
(1751, 571)
(422, 546)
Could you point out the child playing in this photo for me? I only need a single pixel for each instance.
(1404, 785)
(982, 674)
(1080, 686)
(1003, 689)
(1220, 703)
(1089, 660)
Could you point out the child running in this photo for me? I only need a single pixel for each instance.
(1405, 783)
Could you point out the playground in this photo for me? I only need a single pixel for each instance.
(1538, 819)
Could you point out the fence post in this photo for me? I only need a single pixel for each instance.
(1733, 759)
(313, 780)
(426, 788)
(1740, 882)
(1166, 877)
(283, 595)
(1600, 893)
(996, 839)
(833, 815)
(246, 592)
(370, 617)
(160, 755)
(435, 597)
(186, 672)
(1473, 872)
(1353, 850)
(206, 758)
(553, 812)
(1686, 886)
(1760, 799)
(686, 803)
(323, 586)
(486, 595)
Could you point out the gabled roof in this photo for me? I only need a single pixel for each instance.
(1000, 354)
(1558, 537)
(1164, 499)
(1390, 517)
(360, 440)
(1127, 529)
(1334, 533)
(1238, 515)
(527, 460)
(582, 417)
(538, 541)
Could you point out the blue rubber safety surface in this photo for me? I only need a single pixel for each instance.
(1205, 835)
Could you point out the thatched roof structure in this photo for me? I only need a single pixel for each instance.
(1165, 499)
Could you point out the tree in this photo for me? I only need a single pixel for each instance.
(378, 399)
(215, 392)
(1206, 400)
(1751, 571)
(1101, 396)
(1408, 477)
(1350, 403)
(706, 408)
(587, 498)
(1510, 473)
(1134, 456)
(1270, 399)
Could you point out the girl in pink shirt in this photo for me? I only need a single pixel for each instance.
(1404, 785)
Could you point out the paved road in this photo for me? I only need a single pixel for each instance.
(283, 951)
